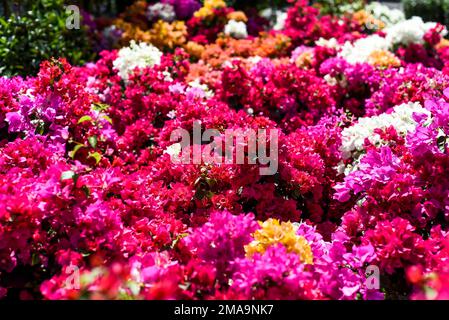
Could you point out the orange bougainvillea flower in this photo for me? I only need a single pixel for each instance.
(131, 32)
(194, 49)
(383, 59)
(367, 20)
(305, 59)
(442, 44)
(237, 16)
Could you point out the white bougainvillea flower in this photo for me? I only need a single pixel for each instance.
(140, 55)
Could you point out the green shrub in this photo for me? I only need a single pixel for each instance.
(338, 7)
(326, 6)
(429, 10)
(39, 34)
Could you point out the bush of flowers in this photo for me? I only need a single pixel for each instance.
(92, 207)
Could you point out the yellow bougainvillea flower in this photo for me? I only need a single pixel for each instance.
(166, 35)
(273, 232)
(215, 4)
(208, 8)
(203, 13)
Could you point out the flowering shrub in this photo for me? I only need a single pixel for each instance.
(92, 207)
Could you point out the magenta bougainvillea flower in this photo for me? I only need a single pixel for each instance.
(93, 207)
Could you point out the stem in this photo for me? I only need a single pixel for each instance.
(6, 8)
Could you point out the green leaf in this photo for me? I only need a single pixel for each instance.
(107, 118)
(96, 156)
(84, 119)
(86, 191)
(100, 106)
(35, 259)
(93, 141)
(66, 175)
(40, 128)
(74, 151)
(430, 292)
(134, 287)
(441, 142)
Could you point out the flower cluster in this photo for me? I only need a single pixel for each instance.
(383, 13)
(92, 207)
(135, 56)
(284, 233)
(401, 120)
